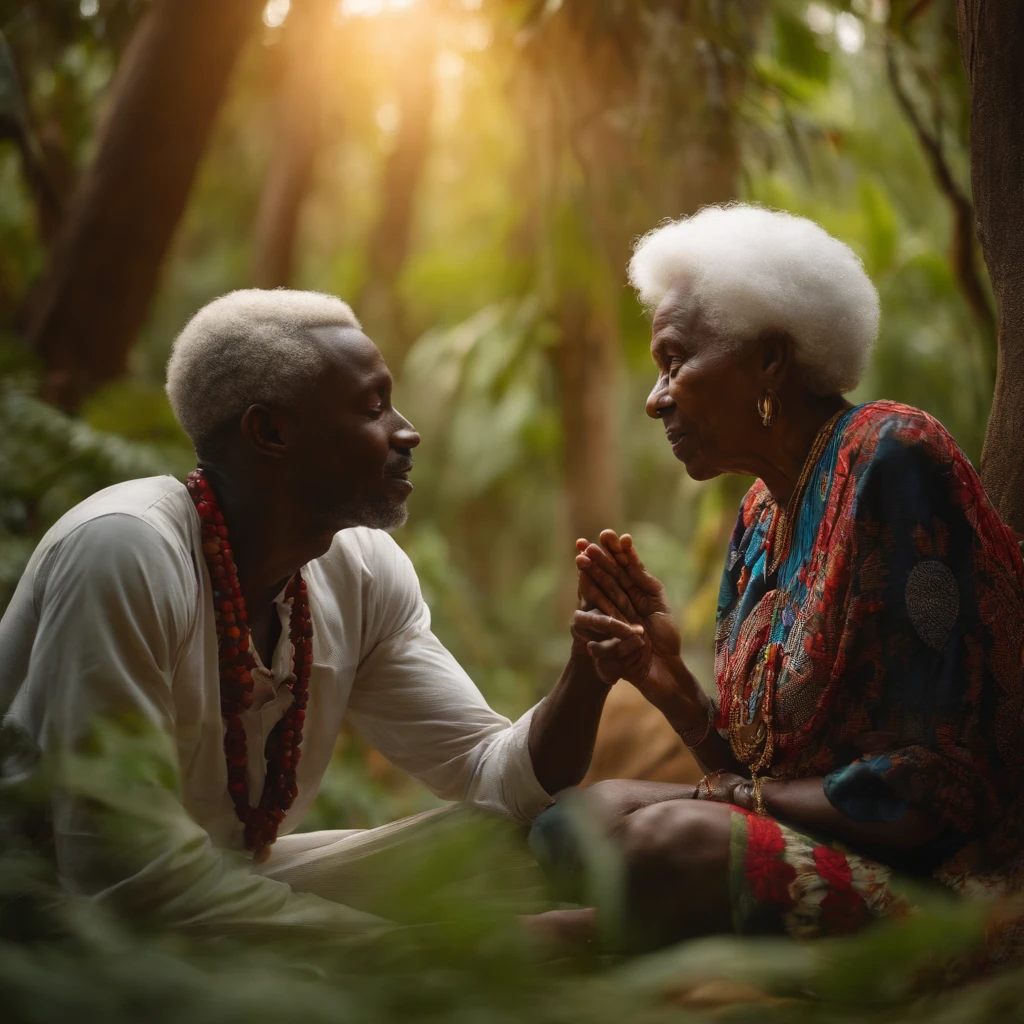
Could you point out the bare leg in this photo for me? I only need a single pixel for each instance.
(677, 871)
(676, 859)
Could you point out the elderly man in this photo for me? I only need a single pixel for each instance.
(249, 613)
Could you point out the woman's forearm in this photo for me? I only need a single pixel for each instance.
(688, 710)
(714, 754)
(802, 803)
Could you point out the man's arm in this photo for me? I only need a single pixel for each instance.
(414, 702)
(115, 609)
(564, 725)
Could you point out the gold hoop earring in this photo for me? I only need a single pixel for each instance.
(769, 407)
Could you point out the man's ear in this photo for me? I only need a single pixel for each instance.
(776, 353)
(265, 430)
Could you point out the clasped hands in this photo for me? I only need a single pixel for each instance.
(623, 617)
(630, 633)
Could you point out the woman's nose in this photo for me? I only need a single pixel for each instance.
(658, 401)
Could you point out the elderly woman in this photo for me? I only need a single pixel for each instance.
(870, 626)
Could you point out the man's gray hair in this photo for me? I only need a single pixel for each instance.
(750, 270)
(248, 347)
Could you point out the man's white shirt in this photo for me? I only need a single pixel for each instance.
(115, 614)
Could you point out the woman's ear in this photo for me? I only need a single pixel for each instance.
(776, 355)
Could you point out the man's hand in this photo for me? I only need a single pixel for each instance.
(618, 648)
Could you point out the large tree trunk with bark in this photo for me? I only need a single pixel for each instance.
(992, 47)
(308, 35)
(588, 369)
(105, 265)
(379, 303)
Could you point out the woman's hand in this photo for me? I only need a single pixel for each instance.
(590, 596)
(613, 579)
(614, 571)
(614, 644)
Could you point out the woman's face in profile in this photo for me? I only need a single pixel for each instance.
(706, 393)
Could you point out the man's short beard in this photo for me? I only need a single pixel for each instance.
(385, 514)
(382, 515)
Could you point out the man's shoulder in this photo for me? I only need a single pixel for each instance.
(366, 574)
(373, 554)
(159, 504)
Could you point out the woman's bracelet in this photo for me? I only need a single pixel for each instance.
(705, 788)
(699, 733)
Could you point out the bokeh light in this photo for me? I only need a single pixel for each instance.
(372, 8)
(275, 12)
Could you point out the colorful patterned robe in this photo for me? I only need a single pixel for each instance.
(900, 614)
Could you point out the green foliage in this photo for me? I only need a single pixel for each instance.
(50, 462)
(799, 50)
(459, 955)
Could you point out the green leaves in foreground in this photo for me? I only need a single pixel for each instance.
(459, 953)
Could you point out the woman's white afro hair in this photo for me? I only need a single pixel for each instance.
(750, 270)
(248, 347)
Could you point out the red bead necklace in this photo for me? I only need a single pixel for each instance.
(236, 664)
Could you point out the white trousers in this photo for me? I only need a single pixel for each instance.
(359, 867)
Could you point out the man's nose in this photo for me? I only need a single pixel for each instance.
(658, 401)
(405, 436)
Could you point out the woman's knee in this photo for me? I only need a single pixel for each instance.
(676, 871)
(677, 834)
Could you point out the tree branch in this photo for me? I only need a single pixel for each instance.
(916, 11)
(964, 252)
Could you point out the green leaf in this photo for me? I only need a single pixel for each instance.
(774, 75)
(798, 49)
(882, 230)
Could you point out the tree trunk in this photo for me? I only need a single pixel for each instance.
(388, 247)
(308, 33)
(104, 269)
(992, 48)
(588, 369)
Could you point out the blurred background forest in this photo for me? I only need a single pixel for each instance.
(470, 175)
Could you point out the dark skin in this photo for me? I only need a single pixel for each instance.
(706, 397)
(288, 479)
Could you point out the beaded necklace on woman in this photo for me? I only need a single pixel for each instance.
(753, 741)
(236, 661)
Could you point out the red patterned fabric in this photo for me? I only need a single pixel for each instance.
(768, 874)
(842, 908)
(797, 884)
